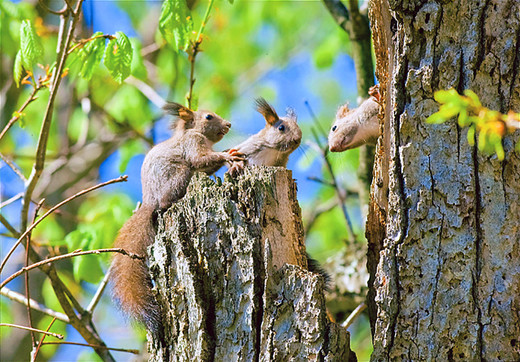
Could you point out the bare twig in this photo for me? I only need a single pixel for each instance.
(47, 118)
(82, 42)
(148, 91)
(54, 208)
(27, 291)
(18, 113)
(9, 227)
(99, 293)
(33, 356)
(339, 12)
(355, 313)
(20, 298)
(16, 170)
(66, 256)
(11, 200)
(194, 50)
(341, 197)
(134, 351)
(59, 336)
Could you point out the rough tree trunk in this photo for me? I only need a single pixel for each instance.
(444, 223)
(229, 266)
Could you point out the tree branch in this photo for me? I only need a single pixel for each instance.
(134, 351)
(339, 12)
(47, 118)
(59, 336)
(66, 256)
(54, 208)
(20, 298)
(18, 113)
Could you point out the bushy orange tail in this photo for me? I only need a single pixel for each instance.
(131, 283)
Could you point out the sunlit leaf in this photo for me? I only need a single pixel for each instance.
(118, 57)
(18, 69)
(88, 268)
(92, 53)
(30, 45)
(175, 23)
(445, 96)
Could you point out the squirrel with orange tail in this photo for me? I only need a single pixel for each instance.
(165, 175)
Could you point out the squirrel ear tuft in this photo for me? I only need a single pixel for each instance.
(292, 114)
(342, 111)
(266, 110)
(184, 114)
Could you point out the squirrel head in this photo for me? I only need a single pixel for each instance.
(354, 127)
(208, 123)
(283, 133)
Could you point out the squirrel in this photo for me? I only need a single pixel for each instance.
(166, 172)
(273, 144)
(356, 127)
(272, 147)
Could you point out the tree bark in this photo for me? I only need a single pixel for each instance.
(444, 223)
(231, 276)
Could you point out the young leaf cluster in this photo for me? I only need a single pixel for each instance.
(490, 125)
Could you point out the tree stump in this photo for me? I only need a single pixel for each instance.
(230, 274)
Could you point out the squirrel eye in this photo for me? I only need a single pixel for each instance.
(209, 117)
(281, 128)
(334, 128)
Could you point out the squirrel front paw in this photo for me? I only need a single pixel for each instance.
(236, 168)
(233, 155)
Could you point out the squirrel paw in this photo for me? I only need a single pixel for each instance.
(236, 169)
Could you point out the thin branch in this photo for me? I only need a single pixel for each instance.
(339, 12)
(54, 208)
(55, 12)
(47, 118)
(191, 57)
(13, 167)
(82, 42)
(66, 256)
(195, 48)
(9, 227)
(56, 335)
(33, 357)
(341, 197)
(147, 91)
(20, 298)
(99, 292)
(27, 291)
(134, 351)
(18, 113)
(11, 200)
(355, 313)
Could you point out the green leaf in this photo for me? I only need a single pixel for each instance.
(138, 67)
(436, 118)
(473, 97)
(92, 54)
(471, 135)
(88, 268)
(30, 45)
(446, 96)
(499, 149)
(175, 23)
(18, 69)
(118, 57)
